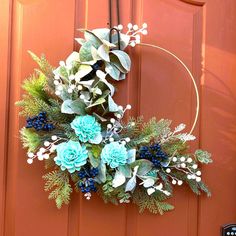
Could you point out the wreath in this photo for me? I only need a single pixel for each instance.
(75, 126)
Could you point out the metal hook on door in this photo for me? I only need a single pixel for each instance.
(118, 36)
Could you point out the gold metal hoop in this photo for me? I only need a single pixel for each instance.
(190, 75)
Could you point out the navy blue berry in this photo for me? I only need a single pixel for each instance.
(39, 122)
(153, 153)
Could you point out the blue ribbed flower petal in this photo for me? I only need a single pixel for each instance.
(114, 154)
(86, 128)
(71, 155)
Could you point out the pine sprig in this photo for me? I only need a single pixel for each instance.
(58, 183)
(45, 68)
(30, 139)
(34, 86)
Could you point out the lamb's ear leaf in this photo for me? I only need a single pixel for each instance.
(113, 71)
(125, 170)
(102, 33)
(124, 59)
(103, 52)
(92, 38)
(85, 52)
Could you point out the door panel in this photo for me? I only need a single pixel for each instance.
(40, 26)
(201, 33)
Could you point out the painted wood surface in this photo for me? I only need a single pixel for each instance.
(201, 33)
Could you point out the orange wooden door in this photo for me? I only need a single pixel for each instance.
(202, 33)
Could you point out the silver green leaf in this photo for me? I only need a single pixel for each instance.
(203, 156)
(85, 52)
(124, 59)
(73, 107)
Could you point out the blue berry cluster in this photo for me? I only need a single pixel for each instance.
(153, 153)
(87, 183)
(39, 122)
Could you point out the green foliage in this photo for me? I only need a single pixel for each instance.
(69, 132)
(175, 146)
(49, 163)
(45, 68)
(203, 156)
(30, 139)
(32, 106)
(151, 130)
(34, 86)
(154, 203)
(196, 187)
(58, 183)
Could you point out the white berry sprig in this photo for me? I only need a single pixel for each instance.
(44, 153)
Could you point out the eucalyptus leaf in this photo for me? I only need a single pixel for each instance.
(102, 33)
(114, 61)
(102, 172)
(124, 40)
(103, 52)
(125, 170)
(112, 106)
(93, 38)
(74, 56)
(123, 58)
(94, 53)
(131, 184)
(85, 52)
(66, 107)
(144, 166)
(118, 180)
(148, 182)
(131, 156)
(113, 71)
(73, 107)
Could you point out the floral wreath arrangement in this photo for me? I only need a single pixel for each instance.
(76, 127)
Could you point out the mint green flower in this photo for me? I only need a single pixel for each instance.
(71, 156)
(114, 154)
(87, 129)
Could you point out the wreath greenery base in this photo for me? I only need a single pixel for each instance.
(74, 125)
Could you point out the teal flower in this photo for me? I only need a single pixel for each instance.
(114, 154)
(71, 156)
(87, 129)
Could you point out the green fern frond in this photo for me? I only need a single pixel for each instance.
(154, 203)
(30, 139)
(58, 183)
